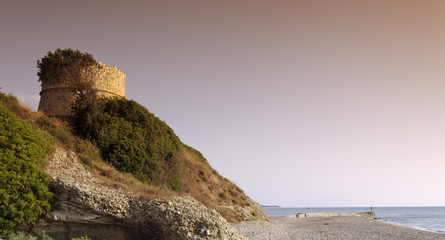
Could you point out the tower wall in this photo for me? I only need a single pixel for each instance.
(56, 98)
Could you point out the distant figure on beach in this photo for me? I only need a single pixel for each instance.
(371, 208)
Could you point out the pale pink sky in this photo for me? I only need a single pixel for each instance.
(332, 103)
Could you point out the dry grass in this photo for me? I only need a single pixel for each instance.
(87, 152)
(207, 186)
(127, 182)
(91, 158)
(12, 104)
(199, 179)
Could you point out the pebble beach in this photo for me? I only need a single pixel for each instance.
(286, 228)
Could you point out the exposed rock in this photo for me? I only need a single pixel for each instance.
(87, 204)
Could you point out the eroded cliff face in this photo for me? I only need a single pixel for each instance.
(89, 207)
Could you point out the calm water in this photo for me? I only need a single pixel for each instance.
(423, 218)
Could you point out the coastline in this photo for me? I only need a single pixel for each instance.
(337, 227)
(410, 227)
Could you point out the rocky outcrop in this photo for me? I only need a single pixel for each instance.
(89, 207)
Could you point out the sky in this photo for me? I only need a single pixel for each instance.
(320, 103)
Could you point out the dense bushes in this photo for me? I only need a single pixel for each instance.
(24, 194)
(59, 129)
(131, 138)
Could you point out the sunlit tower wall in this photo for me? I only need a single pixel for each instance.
(56, 97)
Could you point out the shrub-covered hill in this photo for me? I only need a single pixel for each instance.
(24, 193)
(134, 140)
(122, 142)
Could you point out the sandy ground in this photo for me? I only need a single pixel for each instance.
(329, 228)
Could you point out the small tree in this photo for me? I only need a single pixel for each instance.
(64, 65)
(73, 68)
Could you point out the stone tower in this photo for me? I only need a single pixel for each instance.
(56, 98)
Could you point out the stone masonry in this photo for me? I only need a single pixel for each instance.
(56, 98)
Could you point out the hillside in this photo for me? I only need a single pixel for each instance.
(205, 184)
(196, 179)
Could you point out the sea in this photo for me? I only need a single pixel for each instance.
(423, 218)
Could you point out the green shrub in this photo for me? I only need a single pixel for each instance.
(87, 152)
(19, 236)
(81, 238)
(24, 194)
(23, 236)
(175, 185)
(62, 134)
(63, 65)
(130, 138)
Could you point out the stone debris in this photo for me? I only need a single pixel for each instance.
(86, 199)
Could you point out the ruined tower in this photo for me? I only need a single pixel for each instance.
(56, 97)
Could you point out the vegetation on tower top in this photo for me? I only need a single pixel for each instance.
(63, 65)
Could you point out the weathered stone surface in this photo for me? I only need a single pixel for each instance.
(56, 97)
(88, 206)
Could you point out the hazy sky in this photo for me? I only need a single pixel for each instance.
(326, 103)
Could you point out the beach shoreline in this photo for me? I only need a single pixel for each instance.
(404, 226)
(337, 227)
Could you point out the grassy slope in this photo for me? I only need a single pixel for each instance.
(206, 185)
(199, 179)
